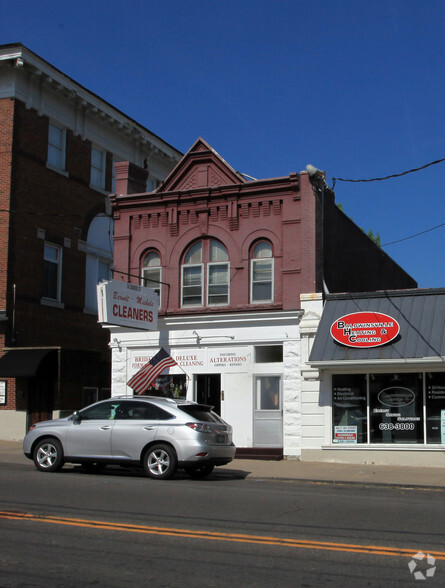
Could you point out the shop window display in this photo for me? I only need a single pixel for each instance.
(174, 386)
(349, 409)
(435, 407)
(396, 408)
(390, 408)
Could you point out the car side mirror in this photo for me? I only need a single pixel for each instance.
(77, 418)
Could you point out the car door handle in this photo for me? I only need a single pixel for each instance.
(106, 427)
(149, 427)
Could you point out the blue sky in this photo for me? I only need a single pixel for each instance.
(354, 87)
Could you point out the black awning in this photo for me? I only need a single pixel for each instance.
(22, 363)
(420, 314)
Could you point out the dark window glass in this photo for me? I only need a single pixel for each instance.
(201, 413)
(269, 354)
(396, 408)
(349, 415)
(170, 386)
(435, 408)
(141, 411)
(102, 411)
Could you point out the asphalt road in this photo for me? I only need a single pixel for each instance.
(75, 529)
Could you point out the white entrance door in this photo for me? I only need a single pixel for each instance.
(268, 412)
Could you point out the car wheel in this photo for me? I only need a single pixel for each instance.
(200, 471)
(48, 455)
(160, 462)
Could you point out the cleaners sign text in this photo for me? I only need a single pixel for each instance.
(127, 305)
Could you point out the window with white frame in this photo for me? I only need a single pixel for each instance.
(217, 274)
(99, 258)
(261, 272)
(98, 160)
(52, 272)
(56, 146)
(192, 276)
(151, 184)
(211, 255)
(152, 272)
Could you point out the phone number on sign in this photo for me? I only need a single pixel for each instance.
(396, 426)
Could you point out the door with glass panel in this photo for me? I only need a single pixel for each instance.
(268, 412)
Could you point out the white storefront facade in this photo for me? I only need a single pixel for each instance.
(246, 365)
(374, 380)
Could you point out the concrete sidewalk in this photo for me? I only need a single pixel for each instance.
(404, 476)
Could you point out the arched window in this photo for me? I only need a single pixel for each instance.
(152, 272)
(99, 258)
(261, 273)
(205, 274)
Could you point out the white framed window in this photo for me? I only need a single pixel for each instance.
(99, 258)
(113, 177)
(217, 274)
(152, 184)
(152, 272)
(56, 146)
(261, 273)
(52, 272)
(192, 276)
(98, 161)
(212, 255)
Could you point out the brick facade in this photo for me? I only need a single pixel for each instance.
(314, 249)
(205, 198)
(39, 205)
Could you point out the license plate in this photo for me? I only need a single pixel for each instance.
(221, 438)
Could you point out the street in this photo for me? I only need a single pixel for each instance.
(116, 527)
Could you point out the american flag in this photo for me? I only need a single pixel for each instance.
(150, 371)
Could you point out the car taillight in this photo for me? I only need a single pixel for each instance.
(200, 427)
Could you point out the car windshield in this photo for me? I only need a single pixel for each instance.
(200, 413)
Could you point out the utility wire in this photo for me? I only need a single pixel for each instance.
(412, 236)
(410, 171)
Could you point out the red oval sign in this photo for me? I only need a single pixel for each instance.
(365, 329)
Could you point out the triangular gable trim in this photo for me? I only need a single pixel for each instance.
(201, 167)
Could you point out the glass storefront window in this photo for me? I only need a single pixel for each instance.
(396, 408)
(174, 386)
(390, 408)
(349, 414)
(435, 407)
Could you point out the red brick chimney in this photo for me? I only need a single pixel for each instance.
(130, 178)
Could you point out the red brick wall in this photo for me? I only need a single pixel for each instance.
(280, 211)
(63, 207)
(60, 205)
(6, 140)
(286, 211)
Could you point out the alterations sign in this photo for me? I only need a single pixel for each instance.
(127, 305)
(365, 329)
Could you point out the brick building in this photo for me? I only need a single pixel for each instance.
(236, 264)
(58, 142)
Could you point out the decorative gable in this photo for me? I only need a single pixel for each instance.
(201, 167)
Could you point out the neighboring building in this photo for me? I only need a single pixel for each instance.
(374, 386)
(58, 142)
(235, 263)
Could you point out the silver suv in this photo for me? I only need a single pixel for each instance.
(159, 434)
